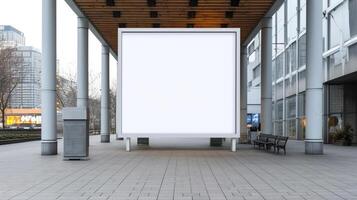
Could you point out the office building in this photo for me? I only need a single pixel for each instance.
(289, 67)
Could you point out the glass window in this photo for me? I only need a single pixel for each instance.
(291, 128)
(273, 70)
(273, 113)
(352, 61)
(339, 25)
(290, 84)
(333, 2)
(291, 19)
(251, 48)
(26, 54)
(252, 57)
(302, 15)
(336, 98)
(301, 103)
(290, 116)
(302, 81)
(256, 72)
(274, 35)
(273, 91)
(279, 66)
(335, 65)
(353, 16)
(279, 90)
(290, 107)
(291, 59)
(279, 128)
(302, 50)
(293, 84)
(280, 29)
(279, 110)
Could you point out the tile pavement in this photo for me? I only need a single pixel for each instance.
(181, 169)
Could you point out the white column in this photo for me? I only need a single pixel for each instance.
(104, 104)
(118, 120)
(266, 76)
(314, 78)
(48, 79)
(82, 63)
(243, 93)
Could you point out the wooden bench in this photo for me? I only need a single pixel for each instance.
(267, 141)
(281, 143)
(264, 140)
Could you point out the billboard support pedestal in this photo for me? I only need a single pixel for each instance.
(127, 144)
(234, 144)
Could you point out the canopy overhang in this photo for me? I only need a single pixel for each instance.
(105, 16)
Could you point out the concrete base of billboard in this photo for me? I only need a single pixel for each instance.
(216, 142)
(143, 141)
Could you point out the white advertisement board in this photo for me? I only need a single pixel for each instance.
(178, 83)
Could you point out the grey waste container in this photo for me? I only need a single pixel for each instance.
(252, 136)
(75, 133)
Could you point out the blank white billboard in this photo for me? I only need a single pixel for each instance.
(178, 82)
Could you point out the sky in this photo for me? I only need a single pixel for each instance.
(25, 15)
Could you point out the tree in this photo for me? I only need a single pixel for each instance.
(66, 91)
(94, 101)
(10, 62)
(94, 113)
(112, 105)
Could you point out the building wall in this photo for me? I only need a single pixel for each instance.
(27, 92)
(253, 76)
(289, 59)
(12, 36)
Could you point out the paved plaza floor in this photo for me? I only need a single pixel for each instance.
(181, 169)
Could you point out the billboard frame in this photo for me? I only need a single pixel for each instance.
(234, 136)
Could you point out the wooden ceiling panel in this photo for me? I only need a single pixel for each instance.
(172, 14)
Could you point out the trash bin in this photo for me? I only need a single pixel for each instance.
(75, 133)
(252, 136)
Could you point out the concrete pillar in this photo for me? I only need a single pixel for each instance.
(82, 62)
(314, 78)
(243, 95)
(104, 103)
(48, 79)
(118, 102)
(266, 76)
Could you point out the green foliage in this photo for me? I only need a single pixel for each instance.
(19, 134)
(345, 134)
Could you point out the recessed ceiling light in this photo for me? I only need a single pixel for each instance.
(110, 3)
(151, 3)
(156, 25)
(235, 3)
(116, 14)
(191, 14)
(190, 25)
(193, 3)
(154, 14)
(122, 25)
(229, 14)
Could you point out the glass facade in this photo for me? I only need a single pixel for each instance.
(27, 92)
(289, 61)
(11, 36)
